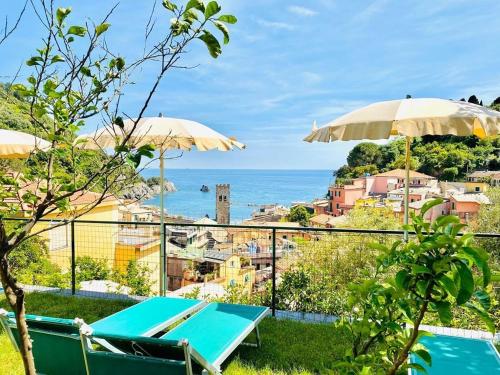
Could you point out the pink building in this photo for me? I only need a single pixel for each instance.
(466, 206)
(343, 197)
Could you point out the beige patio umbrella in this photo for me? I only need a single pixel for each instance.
(165, 134)
(410, 118)
(18, 145)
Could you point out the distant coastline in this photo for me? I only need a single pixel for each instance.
(249, 189)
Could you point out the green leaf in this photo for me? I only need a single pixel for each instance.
(417, 268)
(61, 14)
(212, 9)
(197, 4)
(103, 27)
(448, 284)
(466, 283)
(212, 44)
(34, 61)
(417, 367)
(480, 258)
(444, 311)
(120, 63)
(483, 298)
(77, 30)
(228, 18)
(402, 278)
(428, 205)
(223, 28)
(424, 354)
(169, 5)
(57, 58)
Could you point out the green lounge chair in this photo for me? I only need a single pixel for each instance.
(106, 354)
(216, 331)
(57, 347)
(148, 317)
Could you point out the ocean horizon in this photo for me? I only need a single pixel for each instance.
(250, 188)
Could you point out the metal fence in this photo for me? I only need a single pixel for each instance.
(289, 268)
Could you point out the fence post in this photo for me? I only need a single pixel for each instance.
(273, 297)
(73, 258)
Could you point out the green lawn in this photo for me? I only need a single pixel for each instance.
(288, 347)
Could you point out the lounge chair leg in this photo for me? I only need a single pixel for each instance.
(254, 345)
(257, 333)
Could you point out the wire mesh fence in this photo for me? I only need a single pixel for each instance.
(294, 270)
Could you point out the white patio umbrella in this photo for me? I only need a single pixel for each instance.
(19, 145)
(410, 118)
(165, 134)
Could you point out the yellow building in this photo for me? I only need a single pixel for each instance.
(94, 240)
(480, 181)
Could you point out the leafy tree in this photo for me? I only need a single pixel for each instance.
(365, 153)
(371, 218)
(75, 76)
(427, 276)
(450, 174)
(299, 214)
(473, 99)
(136, 277)
(31, 265)
(88, 268)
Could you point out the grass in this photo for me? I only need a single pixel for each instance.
(288, 347)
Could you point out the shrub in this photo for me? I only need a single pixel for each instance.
(88, 268)
(433, 274)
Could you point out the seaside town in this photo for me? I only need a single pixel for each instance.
(210, 259)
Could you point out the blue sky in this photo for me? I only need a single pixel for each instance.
(290, 63)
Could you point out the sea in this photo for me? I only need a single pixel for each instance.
(249, 188)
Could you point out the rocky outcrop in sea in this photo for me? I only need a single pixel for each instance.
(144, 191)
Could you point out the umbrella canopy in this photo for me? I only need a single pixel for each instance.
(164, 133)
(411, 118)
(18, 145)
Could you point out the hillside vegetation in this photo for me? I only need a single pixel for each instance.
(15, 115)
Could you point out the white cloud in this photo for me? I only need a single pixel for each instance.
(370, 11)
(275, 25)
(311, 78)
(302, 11)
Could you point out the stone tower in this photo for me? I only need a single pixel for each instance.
(222, 204)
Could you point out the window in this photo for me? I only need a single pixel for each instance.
(285, 236)
(247, 279)
(232, 282)
(232, 263)
(58, 237)
(478, 188)
(338, 206)
(453, 205)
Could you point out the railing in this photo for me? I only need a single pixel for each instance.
(297, 269)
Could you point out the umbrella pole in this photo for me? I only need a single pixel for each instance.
(163, 253)
(407, 186)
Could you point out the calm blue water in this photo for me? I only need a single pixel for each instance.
(248, 188)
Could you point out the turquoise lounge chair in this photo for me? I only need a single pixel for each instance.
(217, 330)
(57, 347)
(458, 355)
(148, 317)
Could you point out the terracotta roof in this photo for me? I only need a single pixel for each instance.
(471, 198)
(401, 173)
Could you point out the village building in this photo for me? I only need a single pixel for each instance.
(343, 198)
